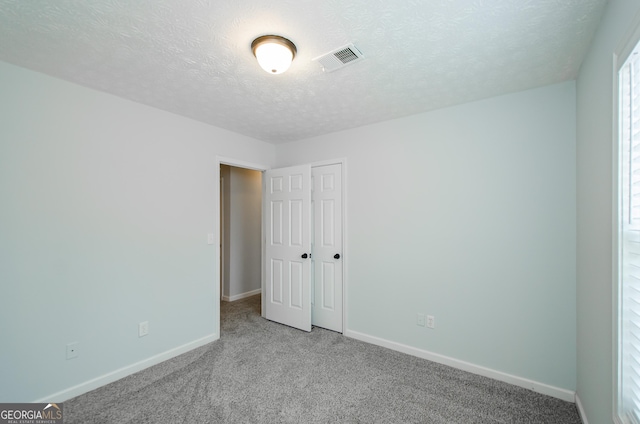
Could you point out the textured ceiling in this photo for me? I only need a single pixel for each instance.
(193, 57)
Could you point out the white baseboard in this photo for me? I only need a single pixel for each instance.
(581, 412)
(92, 384)
(566, 395)
(241, 295)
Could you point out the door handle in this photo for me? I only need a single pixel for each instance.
(305, 256)
(336, 256)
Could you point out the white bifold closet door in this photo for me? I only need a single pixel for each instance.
(303, 246)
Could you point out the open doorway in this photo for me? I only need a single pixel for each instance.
(240, 233)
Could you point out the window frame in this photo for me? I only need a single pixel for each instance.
(629, 44)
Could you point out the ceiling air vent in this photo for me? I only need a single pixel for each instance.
(339, 58)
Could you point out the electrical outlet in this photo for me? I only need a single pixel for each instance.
(143, 329)
(72, 350)
(431, 321)
(420, 320)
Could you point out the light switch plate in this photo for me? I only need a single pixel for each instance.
(143, 329)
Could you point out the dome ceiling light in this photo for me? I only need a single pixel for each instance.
(274, 53)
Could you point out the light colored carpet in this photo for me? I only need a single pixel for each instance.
(263, 372)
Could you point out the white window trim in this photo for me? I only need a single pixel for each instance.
(621, 54)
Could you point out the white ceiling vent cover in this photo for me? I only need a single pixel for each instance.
(339, 58)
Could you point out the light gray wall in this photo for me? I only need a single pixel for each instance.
(595, 194)
(245, 215)
(468, 214)
(106, 206)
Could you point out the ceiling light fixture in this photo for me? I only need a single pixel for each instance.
(274, 53)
